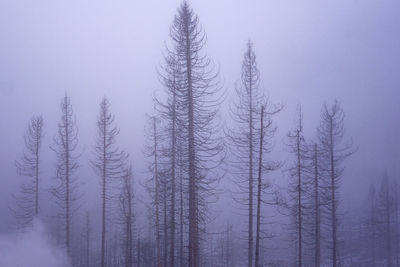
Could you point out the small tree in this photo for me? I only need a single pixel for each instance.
(243, 138)
(109, 165)
(333, 153)
(28, 200)
(65, 144)
(266, 132)
(297, 188)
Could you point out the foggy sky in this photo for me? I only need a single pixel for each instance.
(308, 52)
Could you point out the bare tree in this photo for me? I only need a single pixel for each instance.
(109, 164)
(126, 205)
(297, 188)
(266, 133)
(316, 209)
(154, 184)
(182, 202)
(243, 138)
(65, 144)
(28, 199)
(171, 111)
(200, 102)
(333, 153)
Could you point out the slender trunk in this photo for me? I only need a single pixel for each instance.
(103, 217)
(397, 224)
(181, 216)
(257, 259)
(333, 196)
(388, 239)
(194, 257)
(129, 227)
(165, 225)
(250, 230)
(87, 239)
(67, 167)
(158, 244)
(38, 134)
(299, 207)
(173, 189)
(317, 211)
(373, 241)
(228, 244)
(138, 252)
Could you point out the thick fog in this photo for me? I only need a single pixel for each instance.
(308, 53)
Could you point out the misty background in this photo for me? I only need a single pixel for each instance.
(308, 53)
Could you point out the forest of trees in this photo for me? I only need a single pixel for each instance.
(190, 149)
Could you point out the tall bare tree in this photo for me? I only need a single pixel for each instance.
(297, 189)
(243, 138)
(109, 164)
(65, 145)
(153, 151)
(316, 203)
(28, 199)
(266, 132)
(197, 81)
(170, 111)
(333, 153)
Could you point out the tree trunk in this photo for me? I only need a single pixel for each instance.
(194, 257)
(333, 195)
(67, 182)
(156, 181)
(173, 189)
(250, 230)
(317, 210)
(299, 196)
(103, 192)
(258, 230)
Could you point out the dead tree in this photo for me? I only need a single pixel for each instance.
(266, 133)
(154, 184)
(333, 153)
(126, 206)
(200, 103)
(297, 189)
(65, 144)
(27, 202)
(109, 164)
(243, 138)
(316, 205)
(170, 111)
(182, 202)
